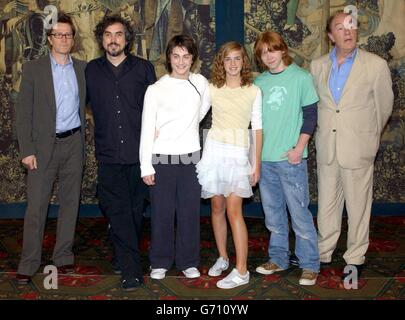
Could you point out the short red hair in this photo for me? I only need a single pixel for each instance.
(274, 42)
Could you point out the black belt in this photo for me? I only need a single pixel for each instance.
(68, 133)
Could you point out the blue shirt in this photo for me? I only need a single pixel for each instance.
(66, 95)
(340, 74)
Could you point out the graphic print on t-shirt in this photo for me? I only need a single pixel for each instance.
(277, 96)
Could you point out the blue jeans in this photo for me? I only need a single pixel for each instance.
(282, 184)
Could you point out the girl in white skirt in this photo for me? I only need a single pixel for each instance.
(225, 172)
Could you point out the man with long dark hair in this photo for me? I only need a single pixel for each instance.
(116, 84)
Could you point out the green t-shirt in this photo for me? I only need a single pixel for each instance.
(284, 96)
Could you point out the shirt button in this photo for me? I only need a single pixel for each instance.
(118, 111)
(119, 127)
(334, 130)
(338, 89)
(118, 97)
(122, 141)
(337, 111)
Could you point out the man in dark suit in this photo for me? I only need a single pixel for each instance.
(50, 125)
(116, 85)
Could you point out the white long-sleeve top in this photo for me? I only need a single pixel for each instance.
(171, 114)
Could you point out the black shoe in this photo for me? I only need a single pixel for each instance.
(66, 269)
(23, 279)
(130, 284)
(349, 272)
(294, 260)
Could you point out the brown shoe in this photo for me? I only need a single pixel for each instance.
(23, 279)
(308, 278)
(268, 268)
(66, 269)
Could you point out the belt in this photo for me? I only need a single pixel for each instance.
(187, 158)
(68, 133)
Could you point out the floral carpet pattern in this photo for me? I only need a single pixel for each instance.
(94, 279)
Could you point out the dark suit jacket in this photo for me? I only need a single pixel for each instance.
(36, 108)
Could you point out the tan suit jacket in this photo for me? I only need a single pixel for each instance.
(352, 129)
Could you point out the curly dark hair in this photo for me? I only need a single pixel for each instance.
(110, 20)
(218, 73)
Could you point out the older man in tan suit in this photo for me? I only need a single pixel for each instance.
(356, 98)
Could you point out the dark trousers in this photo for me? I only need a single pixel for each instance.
(121, 194)
(176, 190)
(66, 164)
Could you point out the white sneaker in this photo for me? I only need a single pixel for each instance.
(191, 273)
(220, 265)
(233, 280)
(158, 273)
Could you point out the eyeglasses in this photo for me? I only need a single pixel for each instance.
(61, 35)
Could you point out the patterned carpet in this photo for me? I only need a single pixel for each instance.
(384, 276)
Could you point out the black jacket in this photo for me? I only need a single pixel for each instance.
(117, 104)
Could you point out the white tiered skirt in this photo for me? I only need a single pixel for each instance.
(224, 169)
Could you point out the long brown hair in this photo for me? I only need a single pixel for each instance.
(218, 73)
